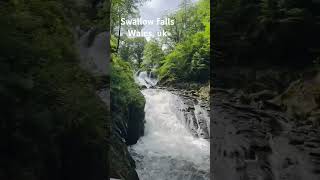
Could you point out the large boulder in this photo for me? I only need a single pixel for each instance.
(135, 124)
(122, 166)
(302, 98)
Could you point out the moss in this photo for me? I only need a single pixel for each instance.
(52, 125)
(125, 90)
(204, 92)
(127, 107)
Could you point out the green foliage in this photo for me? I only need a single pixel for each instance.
(124, 90)
(189, 61)
(190, 19)
(52, 124)
(131, 50)
(262, 32)
(123, 9)
(186, 53)
(104, 16)
(189, 58)
(152, 55)
(127, 104)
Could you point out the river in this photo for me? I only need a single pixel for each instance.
(168, 150)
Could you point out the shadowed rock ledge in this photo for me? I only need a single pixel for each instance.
(267, 136)
(126, 127)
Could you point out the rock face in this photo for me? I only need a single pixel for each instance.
(128, 126)
(253, 80)
(195, 111)
(122, 166)
(94, 53)
(302, 98)
(135, 124)
(252, 138)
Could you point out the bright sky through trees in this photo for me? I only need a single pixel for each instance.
(156, 9)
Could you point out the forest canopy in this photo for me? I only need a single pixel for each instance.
(266, 32)
(183, 56)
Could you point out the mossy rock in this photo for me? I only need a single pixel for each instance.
(301, 98)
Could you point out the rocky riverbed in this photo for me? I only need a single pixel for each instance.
(257, 142)
(195, 111)
(175, 144)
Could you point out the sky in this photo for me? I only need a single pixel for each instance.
(156, 9)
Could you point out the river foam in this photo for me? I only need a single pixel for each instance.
(168, 151)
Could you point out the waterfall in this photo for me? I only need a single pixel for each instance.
(168, 150)
(201, 113)
(145, 79)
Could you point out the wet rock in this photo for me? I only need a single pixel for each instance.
(133, 175)
(195, 112)
(253, 79)
(92, 49)
(190, 109)
(311, 145)
(301, 98)
(296, 140)
(314, 118)
(255, 143)
(142, 87)
(135, 124)
(94, 58)
(121, 165)
(263, 95)
(315, 154)
(288, 162)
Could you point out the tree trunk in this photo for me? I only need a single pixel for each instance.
(118, 43)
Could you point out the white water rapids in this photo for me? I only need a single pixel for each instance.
(145, 79)
(168, 151)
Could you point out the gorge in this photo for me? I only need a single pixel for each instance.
(173, 146)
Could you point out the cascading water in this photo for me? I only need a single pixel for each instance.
(201, 113)
(145, 79)
(168, 151)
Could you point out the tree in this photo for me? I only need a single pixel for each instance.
(189, 58)
(131, 50)
(188, 20)
(152, 55)
(137, 47)
(185, 4)
(122, 9)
